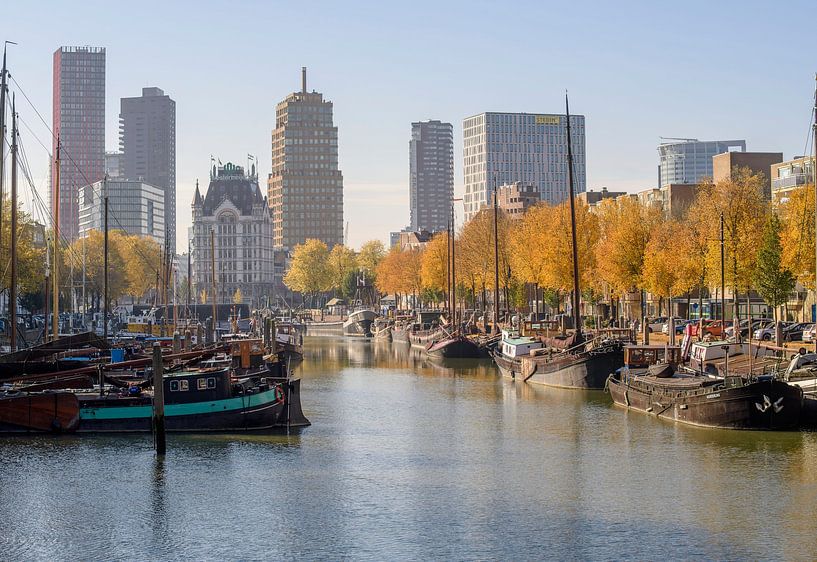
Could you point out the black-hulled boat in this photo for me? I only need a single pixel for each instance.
(455, 346)
(656, 385)
(585, 367)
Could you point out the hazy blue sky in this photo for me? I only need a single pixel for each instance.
(636, 70)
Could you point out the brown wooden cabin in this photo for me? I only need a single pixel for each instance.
(646, 355)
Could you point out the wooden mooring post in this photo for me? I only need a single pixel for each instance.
(159, 440)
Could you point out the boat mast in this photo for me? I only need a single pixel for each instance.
(105, 260)
(576, 294)
(453, 269)
(2, 135)
(723, 277)
(496, 259)
(448, 267)
(814, 179)
(213, 266)
(13, 245)
(55, 272)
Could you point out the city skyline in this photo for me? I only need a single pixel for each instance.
(379, 87)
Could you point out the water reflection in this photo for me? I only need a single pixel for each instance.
(409, 459)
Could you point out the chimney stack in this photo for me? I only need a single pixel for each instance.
(303, 79)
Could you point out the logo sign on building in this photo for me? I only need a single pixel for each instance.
(547, 119)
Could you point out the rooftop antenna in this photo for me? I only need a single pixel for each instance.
(303, 79)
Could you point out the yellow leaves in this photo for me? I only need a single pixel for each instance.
(309, 270)
(666, 271)
(370, 255)
(625, 231)
(434, 263)
(740, 199)
(797, 236)
(342, 262)
(474, 251)
(126, 261)
(399, 272)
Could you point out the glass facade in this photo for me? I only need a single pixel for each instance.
(504, 148)
(690, 160)
(431, 175)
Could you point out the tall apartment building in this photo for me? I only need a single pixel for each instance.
(503, 148)
(690, 160)
(431, 175)
(134, 206)
(305, 187)
(78, 114)
(238, 215)
(147, 140)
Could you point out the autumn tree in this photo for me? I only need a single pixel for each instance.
(624, 232)
(666, 273)
(369, 257)
(342, 265)
(474, 252)
(90, 251)
(309, 272)
(797, 234)
(772, 281)
(30, 257)
(434, 264)
(144, 261)
(739, 199)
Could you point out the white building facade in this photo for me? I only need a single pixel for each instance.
(135, 207)
(520, 147)
(239, 218)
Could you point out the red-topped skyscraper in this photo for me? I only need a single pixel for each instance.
(79, 120)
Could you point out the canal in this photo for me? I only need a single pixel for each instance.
(408, 459)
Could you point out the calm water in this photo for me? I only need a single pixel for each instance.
(410, 460)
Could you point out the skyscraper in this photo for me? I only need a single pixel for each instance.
(305, 187)
(78, 113)
(520, 147)
(431, 174)
(147, 140)
(690, 160)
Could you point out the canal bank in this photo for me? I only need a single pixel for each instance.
(412, 459)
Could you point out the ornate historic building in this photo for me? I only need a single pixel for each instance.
(239, 217)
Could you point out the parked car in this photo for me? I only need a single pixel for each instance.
(680, 323)
(657, 324)
(809, 334)
(745, 329)
(714, 328)
(795, 331)
(764, 332)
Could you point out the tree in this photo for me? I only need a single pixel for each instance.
(665, 273)
(434, 264)
(309, 272)
(772, 281)
(91, 251)
(370, 256)
(145, 261)
(342, 263)
(30, 258)
(797, 235)
(740, 200)
(624, 231)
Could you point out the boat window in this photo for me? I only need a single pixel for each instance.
(211, 382)
(201, 384)
(184, 385)
(174, 386)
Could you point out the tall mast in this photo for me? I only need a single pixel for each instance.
(213, 265)
(55, 270)
(814, 179)
(2, 134)
(577, 319)
(189, 285)
(448, 268)
(105, 260)
(13, 245)
(496, 258)
(453, 268)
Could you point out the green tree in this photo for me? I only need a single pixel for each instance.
(342, 262)
(369, 257)
(772, 281)
(309, 272)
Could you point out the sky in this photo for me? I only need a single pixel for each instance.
(638, 71)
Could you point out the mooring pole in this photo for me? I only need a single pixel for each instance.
(158, 402)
